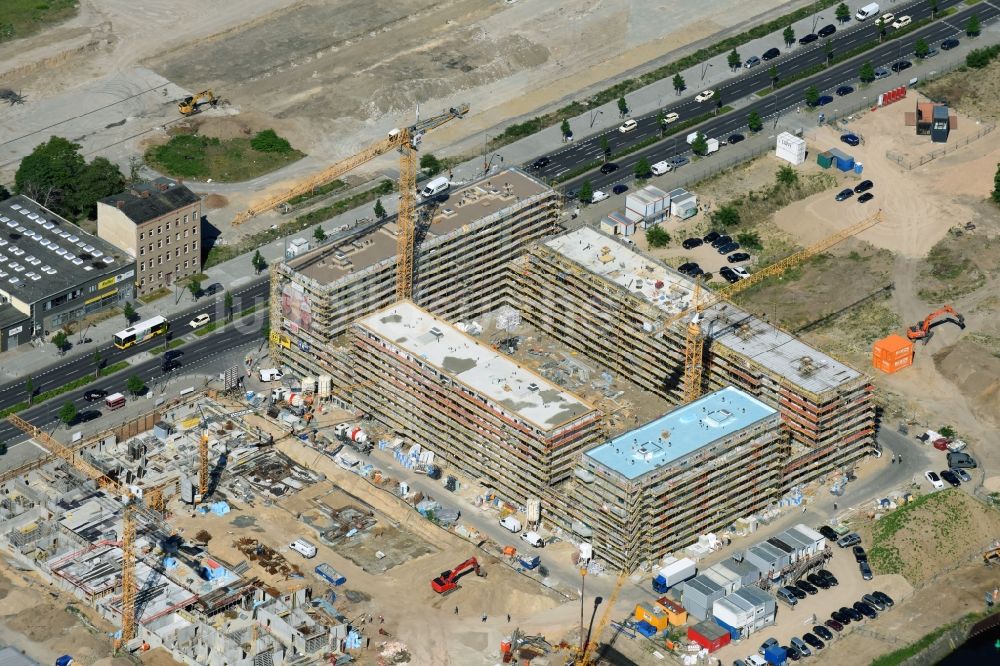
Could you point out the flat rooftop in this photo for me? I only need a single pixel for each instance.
(353, 250)
(665, 289)
(489, 373)
(143, 202)
(42, 255)
(680, 432)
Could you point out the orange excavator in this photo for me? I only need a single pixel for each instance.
(448, 580)
(924, 330)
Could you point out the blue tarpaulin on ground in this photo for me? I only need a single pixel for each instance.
(646, 629)
(220, 508)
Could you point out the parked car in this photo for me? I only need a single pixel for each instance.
(770, 54)
(822, 632)
(818, 581)
(728, 248)
(962, 460)
(901, 65)
(859, 554)
(884, 598)
(852, 613)
(840, 617)
(609, 167)
(931, 52)
(882, 73)
(949, 44)
(848, 540)
(874, 602)
(850, 139)
(628, 126)
(696, 271)
(865, 610)
(827, 30)
(711, 236)
(863, 186)
(830, 578)
(797, 591)
(801, 646)
(901, 22)
(934, 479)
(824, 100)
(678, 161)
(806, 587)
(670, 118)
(950, 478)
(844, 90)
(752, 61)
(828, 532)
(792, 652)
(721, 240)
(691, 243)
(199, 321)
(728, 275)
(599, 195)
(736, 257)
(620, 188)
(961, 474)
(833, 624)
(741, 272)
(866, 571)
(808, 39)
(887, 19)
(866, 197)
(734, 138)
(541, 163)
(686, 268)
(813, 641)
(845, 194)
(93, 395)
(704, 96)
(769, 643)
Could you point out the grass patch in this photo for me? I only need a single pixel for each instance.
(332, 186)
(154, 295)
(972, 2)
(252, 309)
(173, 344)
(949, 273)
(208, 328)
(189, 155)
(21, 18)
(221, 253)
(73, 385)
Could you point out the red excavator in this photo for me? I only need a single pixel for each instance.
(448, 580)
(924, 330)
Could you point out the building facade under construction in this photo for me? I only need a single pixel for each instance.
(613, 305)
(696, 469)
(501, 424)
(464, 249)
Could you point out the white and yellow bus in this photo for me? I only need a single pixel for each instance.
(145, 330)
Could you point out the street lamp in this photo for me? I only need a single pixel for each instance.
(704, 69)
(593, 116)
(583, 581)
(816, 19)
(486, 140)
(590, 627)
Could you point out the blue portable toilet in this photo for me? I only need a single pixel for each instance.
(64, 660)
(858, 168)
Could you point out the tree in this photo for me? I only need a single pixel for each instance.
(61, 341)
(972, 26)
(726, 216)
(134, 169)
(773, 73)
(67, 413)
(203, 537)
(828, 49)
(29, 386)
(656, 236)
(586, 192)
(129, 311)
(754, 122)
(749, 240)
(934, 8)
(812, 95)
(565, 129)
(605, 147)
(921, 48)
(319, 234)
(661, 121)
(679, 84)
(880, 28)
(98, 363)
(258, 262)
(227, 304)
(430, 164)
(996, 186)
(194, 286)
(789, 36)
(843, 13)
(56, 175)
(948, 431)
(700, 144)
(135, 385)
(379, 209)
(268, 141)
(787, 176)
(867, 72)
(622, 106)
(733, 59)
(642, 168)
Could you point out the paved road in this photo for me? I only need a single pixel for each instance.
(744, 88)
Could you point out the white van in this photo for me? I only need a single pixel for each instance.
(270, 374)
(866, 12)
(534, 538)
(661, 168)
(303, 548)
(436, 186)
(511, 523)
(692, 137)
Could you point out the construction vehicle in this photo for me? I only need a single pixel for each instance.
(448, 580)
(191, 104)
(523, 646)
(694, 347)
(923, 330)
(992, 555)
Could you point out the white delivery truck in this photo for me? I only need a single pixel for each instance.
(713, 146)
(511, 523)
(534, 538)
(867, 12)
(661, 168)
(672, 572)
(436, 186)
(692, 137)
(303, 548)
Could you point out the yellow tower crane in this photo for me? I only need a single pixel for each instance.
(588, 655)
(132, 507)
(694, 343)
(203, 466)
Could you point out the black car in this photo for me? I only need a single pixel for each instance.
(711, 236)
(863, 186)
(212, 289)
(620, 188)
(678, 162)
(827, 30)
(859, 554)
(728, 248)
(833, 624)
(92, 395)
(692, 243)
(687, 268)
(696, 271)
(170, 364)
(830, 578)
(866, 197)
(823, 632)
(808, 39)
(844, 90)
(865, 610)
(609, 167)
(737, 257)
(873, 601)
(812, 641)
(841, 196)
(828, 532)
(818, 581)
(850, 139)
(950, 477)
(721, 240)
(949, 44)
(807, 587)
(792, 652)
(901, 65)
(729, 275)
(88, 415)
(884, 598)
(866, 570)
(771, 54)
(824, 100)
(541, 163)
(852, 613)
(797, 591)
(735, 138)
(840, 617)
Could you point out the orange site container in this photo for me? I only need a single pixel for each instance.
(892, 354)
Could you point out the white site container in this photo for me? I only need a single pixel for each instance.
(791, 148)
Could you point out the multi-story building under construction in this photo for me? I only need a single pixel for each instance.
(501, 424)
(465, 246)
(613, 304)
(694, 470)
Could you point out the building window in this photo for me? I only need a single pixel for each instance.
(194, 230)
(142, 251)
(168, 226)
(159, 260)
(159, 229)
(159, 244)
(142, 266)
(159, 275)
(194, 245)
(177, 268)
(140, 235)
(168, 239)
(185, 264)
(185, 233)
(177, 237)
(185, 248)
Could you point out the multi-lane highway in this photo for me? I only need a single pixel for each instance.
(749, 83)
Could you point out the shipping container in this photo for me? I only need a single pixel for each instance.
(672, 572)
(709, 635)
(676, 614)
(698, 595)
(684, 207)
(647, 205)
(790, 148)
(825, 160)
(653, 614)
(330, 574)
(892, 353)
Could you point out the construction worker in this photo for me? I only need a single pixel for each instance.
(456, 610)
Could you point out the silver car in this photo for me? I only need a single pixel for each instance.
(961, 473)
(882, 73)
